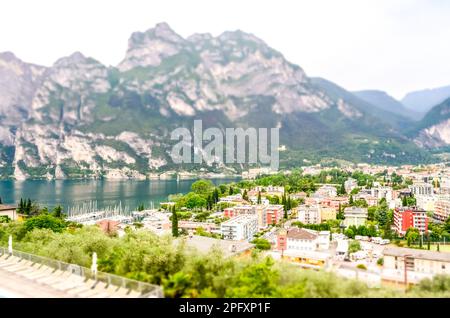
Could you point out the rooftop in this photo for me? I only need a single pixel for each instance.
(421, 254)
(4, 207)
(301, 234)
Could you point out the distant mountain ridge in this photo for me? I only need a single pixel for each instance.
(386, 102)
(423, 100)
(80, 118)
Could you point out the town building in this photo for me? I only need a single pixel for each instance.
(274, 213)
(426, 202)
(8, 211)
(350, 184)
(382, 193)
(308, 214)
(108, 226)
(409, 266)
(303, 240)
(442, 208)
(242, 227)
(355, 216)
(370, 200)
(327, 191)
(406, 217)
(421, 188)
(258, 210)
(327, 213)
(192, 226)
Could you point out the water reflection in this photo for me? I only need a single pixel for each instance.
(106, 192)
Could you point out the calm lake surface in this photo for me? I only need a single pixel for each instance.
(103, 193)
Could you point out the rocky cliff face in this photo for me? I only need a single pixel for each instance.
(80, 118)
(433, 131)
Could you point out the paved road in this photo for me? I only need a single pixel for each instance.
(15, 286)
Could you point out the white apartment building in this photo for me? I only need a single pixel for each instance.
(382, 193)
(426, 202)
(242, 227)
(442, 208)
(308, 214)
(327, 191)
(306, 240)
(421, 188)
(355, 216)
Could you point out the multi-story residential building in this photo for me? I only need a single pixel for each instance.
(426, 202)
(382, 193)
(442, 208)
(350, 184)
(233, 199)
(269, 190)
(308, 214)
(355, 216)
(412, 265)
(406, 217)
(371, 200)
(303, 240)
(327, 213)
(421, 188)
(258, 210)
(327, 191)
(274, 213)
(241, 227)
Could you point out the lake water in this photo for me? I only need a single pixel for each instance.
(103, 193)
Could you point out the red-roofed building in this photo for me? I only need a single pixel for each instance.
(407, 217)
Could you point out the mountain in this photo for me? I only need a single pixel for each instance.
(386, 102)
(422, 101)
(83, 119)
(433, 131)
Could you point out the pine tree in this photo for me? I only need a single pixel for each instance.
(216, 195)
(174, 222)
(231, 190)
(259, 197)
(27, 207)
(404, 201)
(20, 208)
(1, 202)
(437, 248)
(342, 190)
(350, 201)
(245, 195)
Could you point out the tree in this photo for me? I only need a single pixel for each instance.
(262, 244)
(342, 189)
(412, 234)
(141, 207)
(231, 191)
(354, 246)
(216, 195)
(174, 222)
(245, 195)
(45, 221)
(259, 197)
(1, 202)
(340, 214)
(404, 201)
(350, 201)
(202, 186)
(57, 212)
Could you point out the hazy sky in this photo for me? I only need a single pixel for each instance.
(396, 46)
